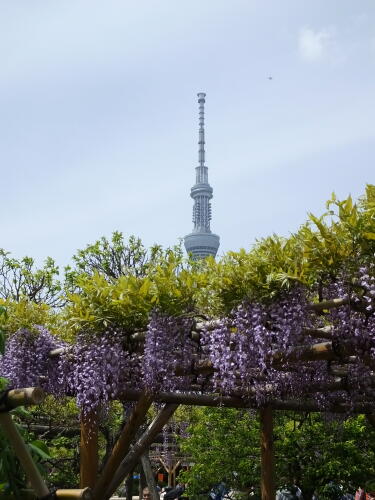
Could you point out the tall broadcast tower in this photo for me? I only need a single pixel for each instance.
(201, 242)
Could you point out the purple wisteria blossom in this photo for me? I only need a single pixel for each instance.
(168, 346)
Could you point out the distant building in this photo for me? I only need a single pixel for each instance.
(201, 242)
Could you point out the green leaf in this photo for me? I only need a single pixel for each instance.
(40, 449)
(369, 236)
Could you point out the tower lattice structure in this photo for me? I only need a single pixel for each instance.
(201, 242)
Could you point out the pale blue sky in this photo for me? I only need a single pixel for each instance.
(99, 119)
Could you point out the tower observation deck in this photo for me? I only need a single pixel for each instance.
(201, 242)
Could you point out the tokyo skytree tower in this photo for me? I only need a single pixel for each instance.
(201, 242)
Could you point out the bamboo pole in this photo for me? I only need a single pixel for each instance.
(322, 351)
(23, 397)
(320, 333)
(329, 304)
(85, 494)
(267, 484)
(140, 447)
(123, 443)
(89, 458)
(150, 479)
(23, 455)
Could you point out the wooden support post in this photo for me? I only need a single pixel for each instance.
(89, 460)
(168, 470)
(140, 447)
(267, 485)
(142, 482)
(129, 486)
(170, 477)
(175, 467)
(149, 474)
(122, 445)
(171, 472)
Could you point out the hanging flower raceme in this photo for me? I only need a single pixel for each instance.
(97, 370)
(94, 370)
(26, 361)
(241, 348)
(168, 347)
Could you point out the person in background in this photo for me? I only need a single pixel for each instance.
(146, 494)
(174, 493)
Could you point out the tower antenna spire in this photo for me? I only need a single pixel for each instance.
(201, 242)
(201, 141)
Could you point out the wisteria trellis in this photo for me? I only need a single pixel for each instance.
(240, 348)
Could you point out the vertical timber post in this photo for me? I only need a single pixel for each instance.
(170, 476)
(149, 474)
(267, 484)
(142, 481)
(89, 460)
(129, 486)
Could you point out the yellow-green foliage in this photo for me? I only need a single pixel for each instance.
(27, 314)
(128, 300)
(342, 238)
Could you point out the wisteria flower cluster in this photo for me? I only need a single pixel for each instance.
(168, 347)
(93, 370)
(96, 371)
(241, 349)
(26, 361)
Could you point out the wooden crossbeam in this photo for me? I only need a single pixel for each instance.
(216, 400)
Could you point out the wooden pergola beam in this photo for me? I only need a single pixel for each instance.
(329, 304)
(322, 351)
(216, 400)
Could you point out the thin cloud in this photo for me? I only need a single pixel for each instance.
(315, 46)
